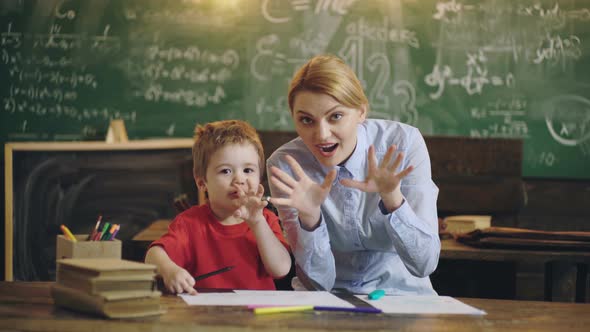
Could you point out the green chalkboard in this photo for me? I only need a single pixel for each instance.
(485, 68)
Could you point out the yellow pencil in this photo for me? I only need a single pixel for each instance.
(67, 233)
(276, 310)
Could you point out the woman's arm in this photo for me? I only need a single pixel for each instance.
(413, 226)
(309, 239)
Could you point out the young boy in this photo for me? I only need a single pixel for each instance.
(232, 228)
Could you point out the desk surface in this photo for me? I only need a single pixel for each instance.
(452, 249)
(27, 306)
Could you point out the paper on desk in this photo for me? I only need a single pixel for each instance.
(278, 298)
(416, 304)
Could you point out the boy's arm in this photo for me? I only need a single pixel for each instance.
(275, 257)
(176, 279)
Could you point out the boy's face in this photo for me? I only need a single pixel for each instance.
(230, 167)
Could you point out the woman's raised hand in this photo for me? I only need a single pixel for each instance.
(383, 178)
(302, 193)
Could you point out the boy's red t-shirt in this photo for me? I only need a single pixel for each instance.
(200, 244)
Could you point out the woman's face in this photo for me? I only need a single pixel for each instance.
(326, 127)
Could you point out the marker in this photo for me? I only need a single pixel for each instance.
(376, 294)
(67, 233)
(207, 275)
(367, 310)
(111, 231)
(93, 233)
(115, 232)
(104, 232)
(276, 310)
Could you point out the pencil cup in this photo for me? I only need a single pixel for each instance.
(66, 248)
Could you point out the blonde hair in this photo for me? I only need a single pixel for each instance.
(214, 135)
(329, 75)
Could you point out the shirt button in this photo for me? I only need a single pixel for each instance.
(348, 195)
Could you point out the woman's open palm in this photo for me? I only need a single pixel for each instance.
(381, 178)
(303, 194)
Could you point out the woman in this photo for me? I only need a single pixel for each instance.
(355, 195)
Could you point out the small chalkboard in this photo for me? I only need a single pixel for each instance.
(49, 184)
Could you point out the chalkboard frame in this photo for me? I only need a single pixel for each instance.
(12, 147)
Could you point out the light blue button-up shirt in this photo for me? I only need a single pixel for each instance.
(358, 246)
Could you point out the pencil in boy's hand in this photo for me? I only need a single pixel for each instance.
(207, 275)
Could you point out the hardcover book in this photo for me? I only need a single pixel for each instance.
(105, 267)
(116, 304)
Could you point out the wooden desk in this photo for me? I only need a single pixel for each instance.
(27, 306)
(452, 249)
(565, 273)
(153, 231)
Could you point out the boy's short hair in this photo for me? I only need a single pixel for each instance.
(214, 135)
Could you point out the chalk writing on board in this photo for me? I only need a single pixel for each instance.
(475, 79)
(274, 10)
(280, 107)
(383, 31)
(268, 61)
(223, 14)
(159, 66)
(508, 118)
(556, 50)
(568, 119)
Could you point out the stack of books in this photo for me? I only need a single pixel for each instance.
(111, 287)
(461, 224)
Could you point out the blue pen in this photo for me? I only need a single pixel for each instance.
(376, 294)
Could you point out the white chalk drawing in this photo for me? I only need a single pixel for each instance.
(409, 113)
(275, 11)
(568, 119)
(555, 50)
(473, 81)
(269, 61)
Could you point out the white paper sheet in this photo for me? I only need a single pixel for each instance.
(278, 298)
(421, 305)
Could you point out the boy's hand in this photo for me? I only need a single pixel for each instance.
(177, 280)
(251, 204)
(303, 194)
